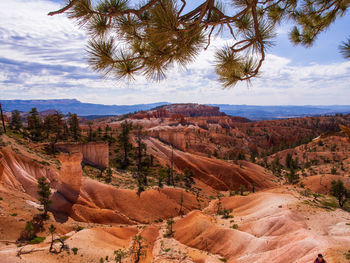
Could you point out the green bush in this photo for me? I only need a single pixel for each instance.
(37, 240)
(79, 228)
(234, 226)
(75, 250)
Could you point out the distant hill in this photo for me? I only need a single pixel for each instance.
(248, 111)
(253, 112)
(75, 106)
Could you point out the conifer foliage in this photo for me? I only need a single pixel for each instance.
(157, 34)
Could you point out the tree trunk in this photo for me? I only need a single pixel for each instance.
(2, 119)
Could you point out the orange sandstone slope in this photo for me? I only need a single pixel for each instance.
(320, 161)
(273, 226)
(100, 203)
(87, 200)
(218, 174)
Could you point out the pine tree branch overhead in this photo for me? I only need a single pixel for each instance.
(152, 36)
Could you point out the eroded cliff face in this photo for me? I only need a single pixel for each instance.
(171, 136)
(21, 172)
(70, 174)
(94, 153)
(218, 174)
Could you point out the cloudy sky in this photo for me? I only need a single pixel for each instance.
(44, 57)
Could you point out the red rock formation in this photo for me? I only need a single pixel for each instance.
(21, 172)
(71, 172)
(178, 111)
(95, 153)
(216, 173)
(87, 200)
(101, 203)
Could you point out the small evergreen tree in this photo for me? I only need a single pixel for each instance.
(52, 230)
(44, 193)
(119, 254)
(242, 189)
(170, 231)
(108, 177)
(138, 248)
(188, 177)
(162, 174)
(292, 177)
(339, 191)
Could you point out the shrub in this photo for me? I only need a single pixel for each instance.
(170, 231)
(225, 213)
(28, 233)
(234, 226)
(119, 254)
(75, 250)
(334, 170)
(79, 228)
(37, 240)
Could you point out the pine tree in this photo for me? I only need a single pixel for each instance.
(44, 193)
(141, 148)
(74, 127)
(138, 248)
(157, 34)
(340, 192)
(90, 131)
(124, 142)
(188, 177)
(108, 177)
(35, 125)
(16, 120)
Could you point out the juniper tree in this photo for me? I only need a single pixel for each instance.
(156, 34)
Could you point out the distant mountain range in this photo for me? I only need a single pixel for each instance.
(97, 110)
(253, 112)
(75, 106)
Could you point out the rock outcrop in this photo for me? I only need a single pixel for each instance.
(179, 111)
(70, 175)
(21, 172)
(218, 174)
(94, 153)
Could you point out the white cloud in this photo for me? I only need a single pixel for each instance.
(43, 57)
